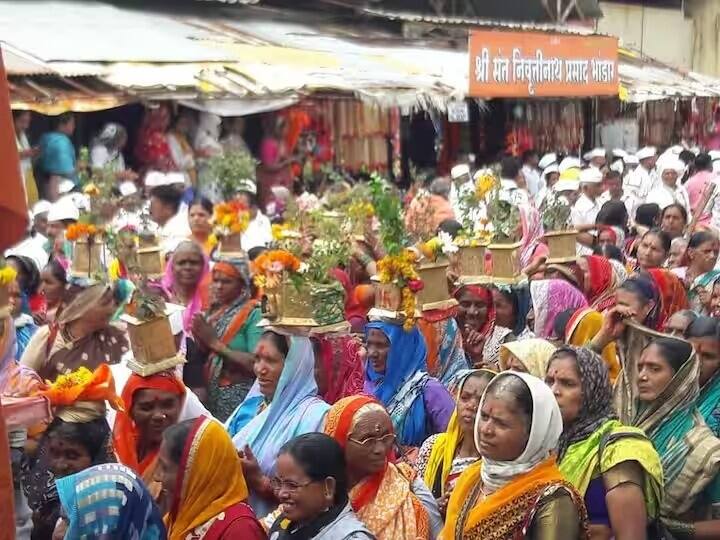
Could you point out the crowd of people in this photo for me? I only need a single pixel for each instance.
(582, 401)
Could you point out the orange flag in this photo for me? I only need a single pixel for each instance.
(13, 206)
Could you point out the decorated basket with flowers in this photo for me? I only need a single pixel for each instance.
(149, 328)
(230, 221)
(560, 236)
(88, 254)
(286, 296)
(7, 276)
(432, 270)
(476, 233)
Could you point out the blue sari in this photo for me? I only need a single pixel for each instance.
(109, 501)
(400, 388)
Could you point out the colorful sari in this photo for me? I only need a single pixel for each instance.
(583, 326)
(689, 452)
(533, 353)
(384, 502)
(198, 302)
(342, 364)
(401, 388)
(236, 326)
(550, 297)
(514, 490)
(532, 235)
(210, 497)
(672, 294)
(595, 442)
(126, 436)
(294, 410)
(706, 281)
(599, 282)
(152, 151)
(109, 501)
(436, 461)
(445, 353)
(487, 330)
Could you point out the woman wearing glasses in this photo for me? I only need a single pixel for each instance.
(388, 496)
(312, 486)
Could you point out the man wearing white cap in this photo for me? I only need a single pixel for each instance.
(40, 216)
(259, 231)
(587, 206)
(461, 184)
(671, 168)
(641, 181)
(512, 182)
(569, 162)
(596, 158)
(548, 178)
(530, 172)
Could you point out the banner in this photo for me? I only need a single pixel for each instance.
(13, 206)
(536, 64)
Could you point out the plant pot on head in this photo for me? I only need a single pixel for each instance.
(561, 245)
(388, 301)
(434, 294)
(288, 304)
(153, 344)
(231, 244)
(87, 257)
(471, 262)
(505, 263)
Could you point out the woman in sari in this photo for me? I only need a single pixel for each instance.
(282, 404)
(658, 392)
(512, 305)
(82, 336)
(203, 484)
(443, 457)
(550, 297)
(387, 496)
(312, 486)
(600, 281)
(704, 334)
(151, 149)
(444, 342)
(122, 508)
(25, 328)
(77, 438)
(701, 256)
(482, 335)
(151, 405)
(186, 280)
(652, 251)
(532, 248)
(180, 148)
(53, 287)
(396, 374)
(200, 213)
(339, 368)
(230, 333)
(527, 356)
(614, 467)
(516, 490)
(673, 297)
(701, 291)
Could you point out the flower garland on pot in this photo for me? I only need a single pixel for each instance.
(229, 219)
(83, 231)
(400, 270)
(269, 266)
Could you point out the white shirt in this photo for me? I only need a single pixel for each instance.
(664, 196)
(510, 192)
(100, 157)
(258, 233)
(532, 178)
(174, 231)
(584, 211)
(639, 182)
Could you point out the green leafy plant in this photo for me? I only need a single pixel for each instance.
(556, 215)
(388, 210)
(231, 170)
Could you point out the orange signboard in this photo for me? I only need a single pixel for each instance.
(528, 64)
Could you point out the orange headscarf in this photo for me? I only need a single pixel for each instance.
(210, 479)
(673, 295)
(125, 433)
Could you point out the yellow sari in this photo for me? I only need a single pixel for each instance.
(582, 328)
(210, 480)
(533, 353)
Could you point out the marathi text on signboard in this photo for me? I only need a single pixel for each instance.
(525, 64)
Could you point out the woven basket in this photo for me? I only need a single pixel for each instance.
(435, 294)
(87, 258)
(562, 246)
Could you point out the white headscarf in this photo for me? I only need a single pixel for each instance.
(545, 430)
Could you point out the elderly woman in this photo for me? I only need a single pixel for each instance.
(203, 484)
(229, 333)
(396, 374)
(124, 508)
(443, 457)
(701, 255)
(312, 486)
(516, 490)
(477, 319)
(282, 404)
(614, 467)
(151, 405)
(527, 356)
(81, 336)
(658, 393)
(387, 496)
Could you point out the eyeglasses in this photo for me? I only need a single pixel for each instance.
(370, 442)
(287, 485)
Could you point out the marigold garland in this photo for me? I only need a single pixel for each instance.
(76, 231)
(230, 218)
(400, 269)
